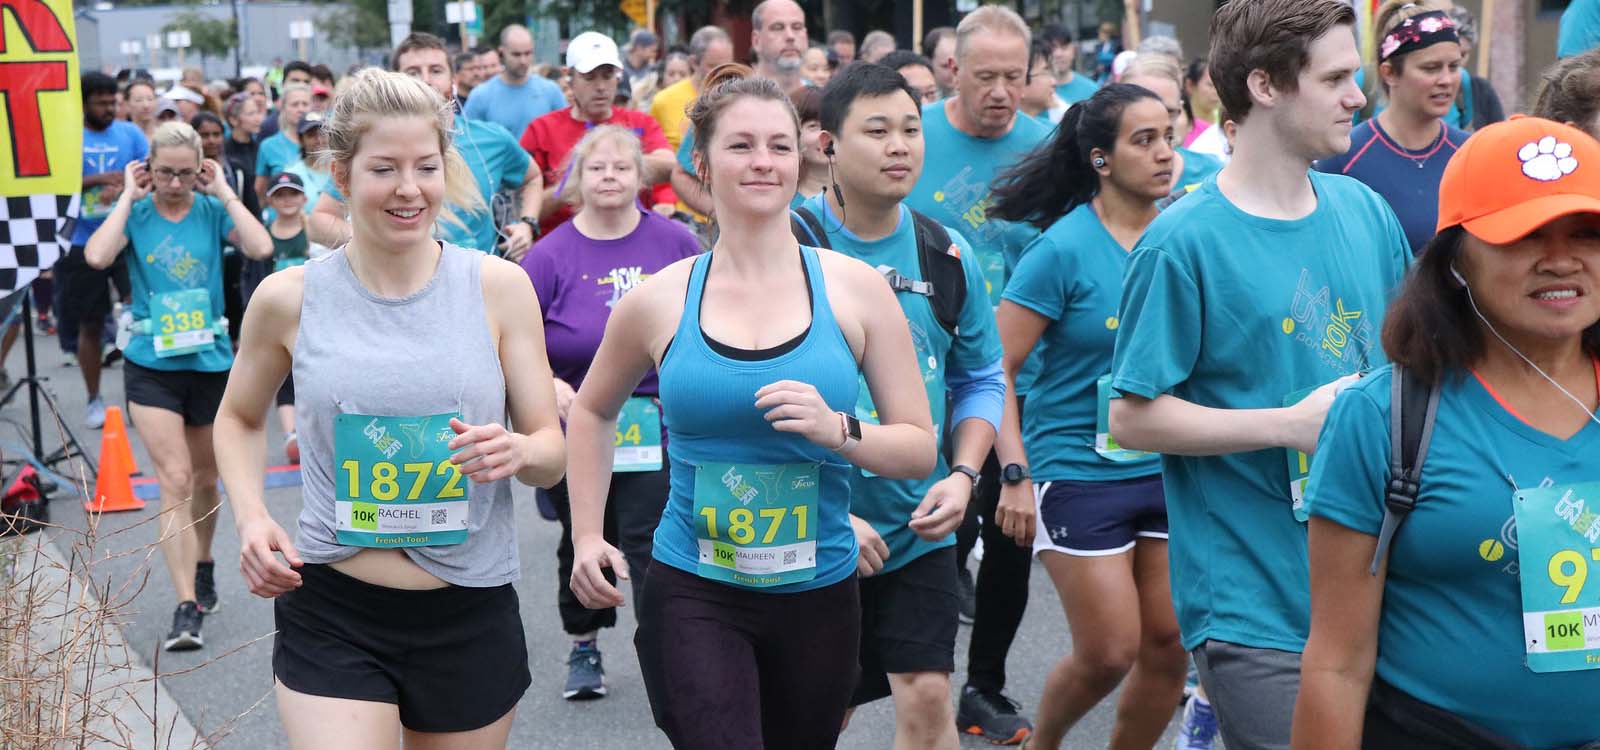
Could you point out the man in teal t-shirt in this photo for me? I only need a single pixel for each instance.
(1266, 281)
(871, 124)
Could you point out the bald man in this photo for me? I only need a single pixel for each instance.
(515, 97)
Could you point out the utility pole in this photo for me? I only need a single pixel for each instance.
(238, 40)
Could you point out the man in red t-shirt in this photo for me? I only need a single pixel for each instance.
(593, 68)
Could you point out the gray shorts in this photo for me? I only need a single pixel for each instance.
(1253, 691)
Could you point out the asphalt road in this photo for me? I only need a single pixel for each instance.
(226, 688)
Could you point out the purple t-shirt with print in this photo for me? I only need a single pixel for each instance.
(579, 280)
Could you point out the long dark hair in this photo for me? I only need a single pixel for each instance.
(1430, 328)
(1057, 177)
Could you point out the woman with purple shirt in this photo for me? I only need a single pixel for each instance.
(580, 270)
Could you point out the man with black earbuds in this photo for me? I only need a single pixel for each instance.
(872, 135)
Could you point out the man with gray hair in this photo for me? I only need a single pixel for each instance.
(515, 97)
(978, 135)
(778, 36)
(876, 44)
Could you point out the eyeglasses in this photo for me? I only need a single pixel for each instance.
(165, 175)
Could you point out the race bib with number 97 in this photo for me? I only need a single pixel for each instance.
(1558, 541)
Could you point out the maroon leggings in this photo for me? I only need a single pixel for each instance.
(732, 668)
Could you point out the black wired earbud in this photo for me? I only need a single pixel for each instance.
(837, 193)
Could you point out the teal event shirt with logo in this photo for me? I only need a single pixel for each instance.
(1072, 276)
(887, 503)
(168, 257)
(1233, 311)
(1452, 587)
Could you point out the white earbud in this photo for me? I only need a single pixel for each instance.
(1457, 274)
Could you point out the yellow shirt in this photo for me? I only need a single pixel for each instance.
(668, 109)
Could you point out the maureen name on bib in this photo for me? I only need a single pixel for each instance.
(1558, 539)
(756, 524)
(394, 485)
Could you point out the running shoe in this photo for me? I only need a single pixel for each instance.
(991, 715)
(291, 448)
(95, 413)
(969, 596)
(205, 587)
(185, 634)
(112, 357)
(45, 325)
(586, 679)
(1199, 728)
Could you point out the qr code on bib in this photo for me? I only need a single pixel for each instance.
(789, 557)
(440, 517)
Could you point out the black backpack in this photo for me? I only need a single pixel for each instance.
(1414, 403)
(946, 281)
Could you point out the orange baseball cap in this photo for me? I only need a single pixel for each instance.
(1513, 177)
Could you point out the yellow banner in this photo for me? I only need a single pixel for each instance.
(41, 128)
(636, 10)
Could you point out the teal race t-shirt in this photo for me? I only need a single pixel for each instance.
(1076, 90)
(276, 153)
(1233, 311)
(887, 503)
(1072, 275)
(1453, 583)
(175, 270)
(497, 163)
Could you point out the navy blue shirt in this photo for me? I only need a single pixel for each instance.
(1408, 180)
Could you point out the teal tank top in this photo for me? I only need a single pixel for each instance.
(750, 506)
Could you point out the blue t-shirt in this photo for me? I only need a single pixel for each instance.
(168, 257)
(497, 163)
(107, 150)
(887, 503)
(1076, 90)
(1197, 167)
(1453, 568)
(1580, 28)
(1072, 275)
(315, 183)
(513, 107)
(1233, 311)
(276, 154)
(1408, 180)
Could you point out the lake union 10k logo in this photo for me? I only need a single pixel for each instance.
(1341, 334)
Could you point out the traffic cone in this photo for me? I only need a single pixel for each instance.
(113, 488)
(115, 432)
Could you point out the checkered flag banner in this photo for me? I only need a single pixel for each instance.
(35, 230)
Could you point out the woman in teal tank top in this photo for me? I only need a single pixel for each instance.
(749, 623)
(1102, 516)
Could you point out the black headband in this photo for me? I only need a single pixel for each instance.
(1419, 31)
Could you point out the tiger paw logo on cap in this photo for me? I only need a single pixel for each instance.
(1547, 159)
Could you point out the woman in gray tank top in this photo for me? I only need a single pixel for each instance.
(410, 355)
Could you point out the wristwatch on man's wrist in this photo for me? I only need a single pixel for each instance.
(533, 223)
(1014, 474)
(968, 470)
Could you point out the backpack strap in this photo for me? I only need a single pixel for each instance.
(941, 266)
(807, 228)
(1413, 406)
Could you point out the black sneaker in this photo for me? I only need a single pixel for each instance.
(185, 635)
(992, 716)
(205, 587)
(586, 679)
(969, 596)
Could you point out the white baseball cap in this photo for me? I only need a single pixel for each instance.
(590, 50)
(184, 93)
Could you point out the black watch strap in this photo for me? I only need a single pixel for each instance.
(1015, 474)
(968, 470)
(532, 222)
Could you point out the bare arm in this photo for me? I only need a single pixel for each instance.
(691, 191)
(328, 226)
(1337, 667)
(109, 239)
(1168, 424)
(247, 234)
(1020, 329)
(533, 190)
(658, 166)
(535, 452)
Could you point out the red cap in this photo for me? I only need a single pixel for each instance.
(1513, 177)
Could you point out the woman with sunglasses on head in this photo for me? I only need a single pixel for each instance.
(1490, 412)
(175, 215)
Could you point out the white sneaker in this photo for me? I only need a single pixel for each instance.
(95, 417)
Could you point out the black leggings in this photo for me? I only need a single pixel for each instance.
(1001, 585)
(633, 510)
(732, 668)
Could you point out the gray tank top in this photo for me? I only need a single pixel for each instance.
(429, 353)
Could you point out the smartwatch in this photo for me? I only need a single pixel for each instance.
(1014, 474)
(968, 470)
(532, 222)
(852, 432)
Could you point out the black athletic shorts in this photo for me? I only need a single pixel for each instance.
(452, 659)
(195, 395)
(908, 622)
(85, 291)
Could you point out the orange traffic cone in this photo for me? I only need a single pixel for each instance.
(113, 488)
(115, 432)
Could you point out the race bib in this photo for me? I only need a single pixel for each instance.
(180, 322)
(1558, 540)
(638, 445)
(756, 524)
(394, 484)
(1299, 467)
(1104, 444)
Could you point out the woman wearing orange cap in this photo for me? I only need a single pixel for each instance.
(1471, 620)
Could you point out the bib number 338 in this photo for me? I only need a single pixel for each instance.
(1558, 540)
(756, 524)
(394, 484)
(180, 322)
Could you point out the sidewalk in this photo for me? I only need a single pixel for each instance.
(60, 638)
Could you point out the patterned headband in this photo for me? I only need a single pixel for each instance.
(1417, 32)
